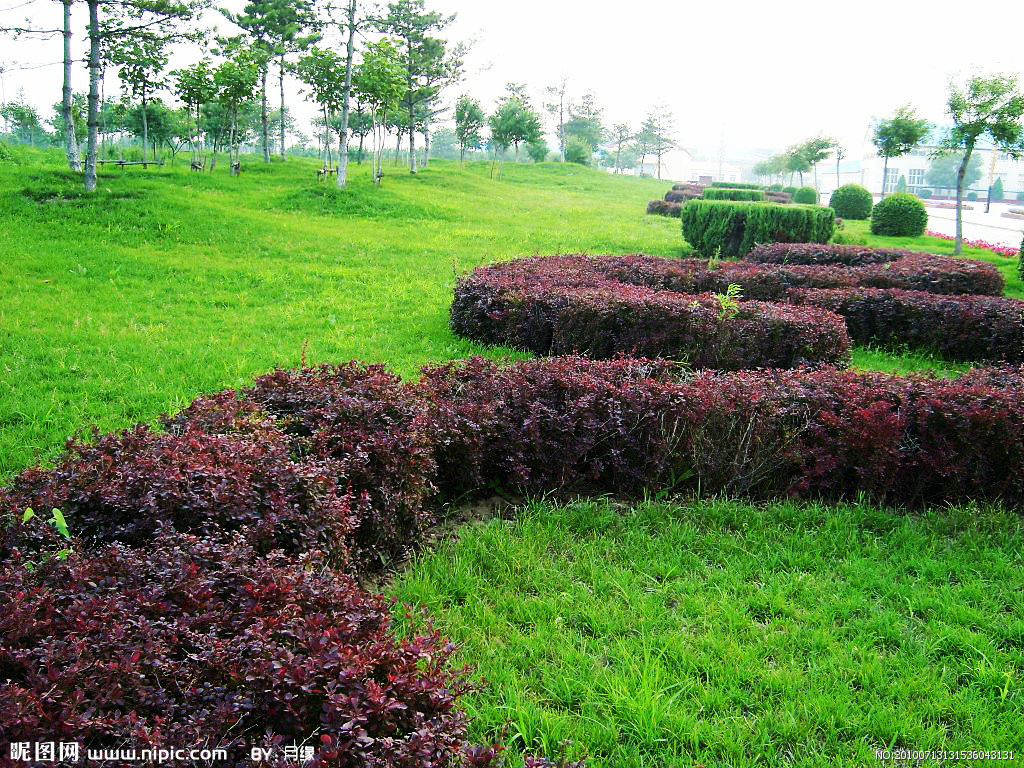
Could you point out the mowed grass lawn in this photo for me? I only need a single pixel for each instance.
(667, 633)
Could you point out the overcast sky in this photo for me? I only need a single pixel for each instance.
(749, 74)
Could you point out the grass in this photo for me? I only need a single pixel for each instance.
(665, 634)
(169, 284)
(720, 633)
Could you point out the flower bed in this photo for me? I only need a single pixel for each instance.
(1002, 250)
(664, 208)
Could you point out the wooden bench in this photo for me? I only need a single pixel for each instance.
(123, 163)
(197, 165)
(323, 173)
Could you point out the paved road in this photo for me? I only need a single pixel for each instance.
(979, 225)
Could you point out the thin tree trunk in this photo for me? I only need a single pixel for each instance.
(145, 128)
(281, 84)
(94, 95)
(462, 154)
(412, 115)
(958, 248)
(362, 137)
(346, 97)
(263, 114)
(885, 175)
(70, 140)
(426, 143)
(398, 147)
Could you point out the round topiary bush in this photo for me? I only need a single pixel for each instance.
(924, 194)
(900, 216)
(851, 201)
(972, 196)
(806, 195)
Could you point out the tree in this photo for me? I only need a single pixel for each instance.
(996, 191)
(556, 107)
(585, 121)
(425, 58)
(140, 59)
(537, 150)
(121, 20)
(236, 80)
(578, 150)
(380, 80)
(896, 136)
(655, 133)
(983, 106)
(291, 28)
(514, 122)
(350, 25)
(324, 72)
(796, 162)
(621, 135)
(469, 122)
(360, 123)
(255, 21)
(78, 128)
(763, 169)
(195, 87)
(840, 152)
(813, 151)
(23, 121)
(942, 170)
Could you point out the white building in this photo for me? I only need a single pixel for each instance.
(675, 165)
(913, 167)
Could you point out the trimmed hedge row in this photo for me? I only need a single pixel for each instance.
(730, 229)
(577, 304)
(815, 253)
(735, 185)
(664, 208)
(578, 425)
(682, 195)
(755, 195)
(967, 328)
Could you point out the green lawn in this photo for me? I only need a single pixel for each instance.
(666, 634)
(721, 633)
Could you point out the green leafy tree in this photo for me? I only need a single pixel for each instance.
(991, 107)
(23, 121)
(537, 151)
(997, 191)
(426, 60)
(655, 134)
(78, 109)
(237, 80)
(578, 150)
(813, 151)
(195, 87)
(556, 106)
(360, 123)
(898, 135)
(621, 135)
(796, 162)
(942, 170)
(380, 81)
(585, 122)
(324, 72)
(140, 60)
(514, 122)
(469, 124)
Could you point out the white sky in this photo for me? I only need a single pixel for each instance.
(754, 74)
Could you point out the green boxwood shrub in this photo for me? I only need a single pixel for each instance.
(924, 194)
(730, 229)
(733, 194)
(972, 196)
(774, 187)
(851, 201)
(806, 195)
(791, 190)
(900, 216)
(735, 185)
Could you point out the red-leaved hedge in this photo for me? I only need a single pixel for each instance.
(975, 328)
(664, 208)
(578, 304)
(575, 424)
(818, 253)
(191, 643)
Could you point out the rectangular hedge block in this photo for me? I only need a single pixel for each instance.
(731, 229)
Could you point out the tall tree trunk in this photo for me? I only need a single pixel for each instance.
(961, 172)
(281, 84)
(885, 175)
(145, 128)
(263, 113)
(346, 97)
(94, 94)
(398, 147)
(362, 137)
(426, 143)
(70, 140)
(412, 114)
